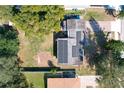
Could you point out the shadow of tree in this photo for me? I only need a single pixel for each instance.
(50, 63)
(97, 40)
(99, 34)
(110, 11)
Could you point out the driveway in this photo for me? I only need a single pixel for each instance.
(104, 25)
(88, 81)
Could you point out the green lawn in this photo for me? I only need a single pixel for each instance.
(94, 14)
(79, 12)
(35, 78)
(97, 13)
(85, 71)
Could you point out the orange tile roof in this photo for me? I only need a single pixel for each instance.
(63, 83)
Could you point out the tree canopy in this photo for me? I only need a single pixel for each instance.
(38, 20)
(110, 65)
(10, 75)
(9, 43)
(5, 13)
(10, 72)
(115, 45)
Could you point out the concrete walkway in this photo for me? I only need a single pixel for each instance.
(88, 81)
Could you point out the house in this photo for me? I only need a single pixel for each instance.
(75, 7)
(81, 7)
(78, 82)
(117, 27)
(70, 49)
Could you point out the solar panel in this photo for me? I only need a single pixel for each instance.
(62, 51)
(74, 51)
(78, 37)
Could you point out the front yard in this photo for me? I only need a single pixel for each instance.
(97, 13)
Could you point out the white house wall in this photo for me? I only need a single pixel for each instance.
(116, 26)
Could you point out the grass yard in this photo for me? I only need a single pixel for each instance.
(79, 12)
(36, 79)
(98, 14)
(85, 71)
(29, 48)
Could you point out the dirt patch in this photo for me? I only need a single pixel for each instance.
(45, 59)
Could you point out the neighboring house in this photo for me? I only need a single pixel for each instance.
(115, 29)
(117, 26)
(122, 30)
(75, 7)
(81, 7)
(79, 82)
(103, 25)
(70, 49)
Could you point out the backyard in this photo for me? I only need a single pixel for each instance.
(31, 49)
(35, 79)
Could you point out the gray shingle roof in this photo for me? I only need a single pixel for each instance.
(73, 24)
(69, 50)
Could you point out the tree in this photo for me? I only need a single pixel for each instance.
(121, 12)
(114, 45)
(10, 75)
(10, 72)
(38, 20)
(5, 13)
(110, 65)
(9, 43)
